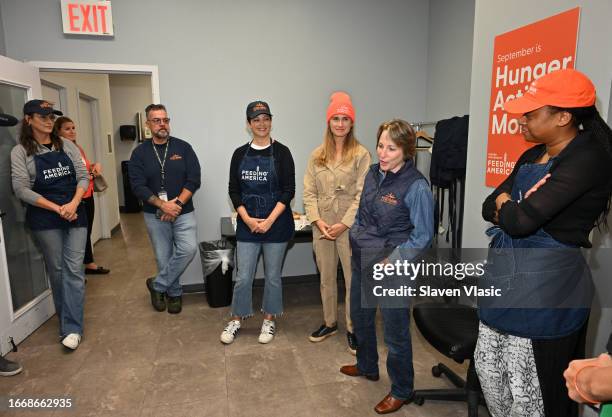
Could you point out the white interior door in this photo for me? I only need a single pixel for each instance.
(52, 95)
(55, 94)
(86, 137)
(25, 297)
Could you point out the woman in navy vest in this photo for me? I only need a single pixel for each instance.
(50, 178)
(395, 212)
(261, 187)
(543, 214)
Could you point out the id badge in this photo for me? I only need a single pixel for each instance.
(163, 195)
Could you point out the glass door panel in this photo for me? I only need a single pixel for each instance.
(24, 261)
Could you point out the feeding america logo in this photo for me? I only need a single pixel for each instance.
(257, 175)
(59, 172)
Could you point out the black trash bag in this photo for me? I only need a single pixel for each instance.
(218, 264)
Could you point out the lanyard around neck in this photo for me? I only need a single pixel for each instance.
(162, 164)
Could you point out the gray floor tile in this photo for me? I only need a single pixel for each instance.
(137, 362)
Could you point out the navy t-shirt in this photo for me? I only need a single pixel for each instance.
(182, 170)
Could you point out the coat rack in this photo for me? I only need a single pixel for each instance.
(421, 134)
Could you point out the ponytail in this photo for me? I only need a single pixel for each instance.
(591, 121)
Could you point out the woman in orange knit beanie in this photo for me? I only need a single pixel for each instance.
(332, 189)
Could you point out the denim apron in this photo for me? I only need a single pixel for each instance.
(55, 181)
(546, 284)
(260, 191)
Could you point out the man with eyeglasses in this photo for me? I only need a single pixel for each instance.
(165, 173)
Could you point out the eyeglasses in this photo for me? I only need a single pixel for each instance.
(157, 121)
(51, 117)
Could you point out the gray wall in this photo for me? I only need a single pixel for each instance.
(449, 61)
(129, 94)
(215, 57)
(449, 65)
(2, 42)
(492, 18)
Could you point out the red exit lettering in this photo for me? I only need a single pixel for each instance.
(87, 18)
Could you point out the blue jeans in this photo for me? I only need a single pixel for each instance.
(175, 245)
(248, 254)
(397, 338)
(63, 251)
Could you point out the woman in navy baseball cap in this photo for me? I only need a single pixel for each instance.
(261, 187)
(50, 178)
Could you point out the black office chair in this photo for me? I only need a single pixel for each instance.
(453, 330)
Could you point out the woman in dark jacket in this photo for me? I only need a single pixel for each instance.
(395, 212)
(543, 213)
(261, 186)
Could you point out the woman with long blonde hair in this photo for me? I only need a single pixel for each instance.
(332, 189)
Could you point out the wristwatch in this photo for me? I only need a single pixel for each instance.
(179, 203)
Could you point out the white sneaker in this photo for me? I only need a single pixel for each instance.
(267, 331)
(72, 341)
(229, 333)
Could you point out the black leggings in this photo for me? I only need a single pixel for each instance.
(90, 208)
(552, 358)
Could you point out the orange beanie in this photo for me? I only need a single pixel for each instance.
(340, 103)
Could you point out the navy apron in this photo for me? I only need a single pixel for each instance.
(55, 181)
(546, 284)
(260, 191)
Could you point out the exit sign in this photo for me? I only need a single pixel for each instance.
(81, 17)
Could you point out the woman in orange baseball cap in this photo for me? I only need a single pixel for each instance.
(542, 214)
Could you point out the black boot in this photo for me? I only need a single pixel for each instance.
(352, 342)
(158, 299)
(175, 304)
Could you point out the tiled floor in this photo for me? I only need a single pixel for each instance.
(134, 361)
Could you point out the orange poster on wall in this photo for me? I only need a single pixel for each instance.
(519, 57)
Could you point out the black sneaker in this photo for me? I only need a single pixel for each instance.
(323, 333)
(158, 299)
(9, 368)
(352, 342)
(175, 304)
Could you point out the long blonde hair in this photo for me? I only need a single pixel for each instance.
(327, 153)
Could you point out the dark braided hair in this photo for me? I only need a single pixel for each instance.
(589, 120)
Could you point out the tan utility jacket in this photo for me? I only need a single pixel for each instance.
(333, 192)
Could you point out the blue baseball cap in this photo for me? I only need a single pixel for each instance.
(256, 108)
(42, 107)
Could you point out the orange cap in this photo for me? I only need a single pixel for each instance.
(566, 88)
(340, 103)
